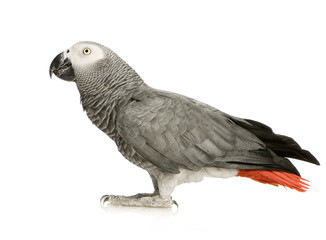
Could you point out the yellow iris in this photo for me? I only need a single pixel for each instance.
(87, 51)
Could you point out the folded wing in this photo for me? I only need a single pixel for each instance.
(173, 132)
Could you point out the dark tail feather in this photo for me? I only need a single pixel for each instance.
(283, 146)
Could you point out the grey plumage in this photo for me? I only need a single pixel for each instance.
(172, 132)
(164, 132)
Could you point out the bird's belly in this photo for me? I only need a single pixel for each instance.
(186, 176)
(167, 182)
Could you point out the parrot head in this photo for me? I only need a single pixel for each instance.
(77, 60)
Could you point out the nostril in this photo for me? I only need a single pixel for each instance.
(68, 51)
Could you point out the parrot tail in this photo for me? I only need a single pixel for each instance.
(276, 178)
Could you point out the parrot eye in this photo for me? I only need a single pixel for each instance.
(87, 51)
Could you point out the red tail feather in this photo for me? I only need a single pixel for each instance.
(276, 178)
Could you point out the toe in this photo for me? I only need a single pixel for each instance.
(105, 200)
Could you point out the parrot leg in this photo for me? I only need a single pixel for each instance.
(160, 198)
(139, 200)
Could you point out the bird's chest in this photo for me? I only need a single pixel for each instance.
(105, 120)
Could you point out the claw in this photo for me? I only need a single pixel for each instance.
(105, 200)
(175, 203)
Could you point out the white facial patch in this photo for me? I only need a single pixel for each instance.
(84, 54)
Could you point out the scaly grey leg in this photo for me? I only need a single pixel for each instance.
(139, 200)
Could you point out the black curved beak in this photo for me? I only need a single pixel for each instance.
(62, 68)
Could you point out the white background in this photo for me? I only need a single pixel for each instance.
(263, 60)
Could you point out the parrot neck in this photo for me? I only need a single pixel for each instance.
(112, 81)
(111, 92)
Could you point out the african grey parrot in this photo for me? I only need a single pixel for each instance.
(175, 138)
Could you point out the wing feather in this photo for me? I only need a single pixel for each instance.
(173, 132)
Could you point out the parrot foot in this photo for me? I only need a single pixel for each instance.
(138, 200)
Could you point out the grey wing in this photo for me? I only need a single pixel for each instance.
(173, 132)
